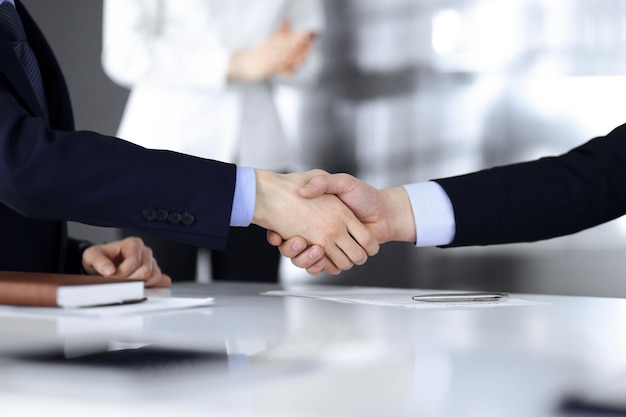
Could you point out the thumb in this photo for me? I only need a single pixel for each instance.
(274, 238)
(315, 187)
(103, 265)
(338, 184)
(285, 27)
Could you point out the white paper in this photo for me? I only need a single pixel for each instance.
(390, 297)
(152, 304)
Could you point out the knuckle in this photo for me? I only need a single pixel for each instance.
(142, 272)
(361, 259)
(135, 240)
(344, 265)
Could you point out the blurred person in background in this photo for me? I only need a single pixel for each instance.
(203, 72)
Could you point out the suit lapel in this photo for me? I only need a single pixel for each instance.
(12, 70)
(59, 104)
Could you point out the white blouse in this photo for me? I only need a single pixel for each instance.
(173, 55)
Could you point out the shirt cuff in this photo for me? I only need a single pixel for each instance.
(244, 198)
(434, 216)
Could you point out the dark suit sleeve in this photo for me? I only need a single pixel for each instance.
(94, 179)
(541, 199)
(51, 173)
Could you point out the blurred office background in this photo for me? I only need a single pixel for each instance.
(417, 89)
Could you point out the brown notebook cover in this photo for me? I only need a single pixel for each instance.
(66, 290)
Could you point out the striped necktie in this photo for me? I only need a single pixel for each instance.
(10, 21)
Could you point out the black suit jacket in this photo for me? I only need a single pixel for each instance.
(50, 173)
(541, 199)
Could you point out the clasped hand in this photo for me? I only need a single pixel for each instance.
(282, 53)
(126, 258)
(325, 223)
(386, 214)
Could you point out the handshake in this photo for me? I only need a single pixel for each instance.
(330, 222)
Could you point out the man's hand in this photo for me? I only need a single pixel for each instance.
(323, 221)
(386, 213)
(127, 258)
(283, 52)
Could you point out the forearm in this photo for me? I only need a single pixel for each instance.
(101, 180)
(541, 199)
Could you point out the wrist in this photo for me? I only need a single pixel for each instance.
(244, 66)
(260, 215)
(235, 66)
(399, 215)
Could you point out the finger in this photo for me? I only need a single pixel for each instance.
(334, 271)
(274, 238)
(100, 264)
(285, 27)
(353, 251)
(293, 247)
(364, 238)
(137, 264)
(163, 282)
(299, 44)
(360, 245)
(293, 49)
(127, 255)
(340, 257)
(315, 187)
(328, 184)
(309, 257)
(292, 65)
(323, 265)
(301, 49)
(157, 279)
(317, 267)
(329, 267)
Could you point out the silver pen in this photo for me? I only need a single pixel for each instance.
(461, 297)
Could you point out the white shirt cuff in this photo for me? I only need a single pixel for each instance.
(433, 213)
(244, 198)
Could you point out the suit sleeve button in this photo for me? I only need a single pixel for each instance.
(161, 215)
(175, 217)
(149, 214)
(188, 218)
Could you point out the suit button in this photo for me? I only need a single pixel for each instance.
(149, 214)
(161, 215)
(175, 217)
(188, 218)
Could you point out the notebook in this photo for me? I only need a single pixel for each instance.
(67, 290)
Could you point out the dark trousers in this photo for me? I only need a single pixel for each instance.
(247, 257)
